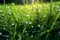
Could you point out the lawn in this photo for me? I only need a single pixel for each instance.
(30, 22)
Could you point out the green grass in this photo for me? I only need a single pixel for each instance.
(31, 22)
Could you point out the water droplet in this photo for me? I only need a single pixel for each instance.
(59, 9)
(28, 15)
(58, 6)
(34, 5)
(25, 31)
(4, 28)
(59, 32)
(32, 26)
(13, 24)
(0, 33)
(27, 22)
(38, 25)
(20, 24)
(31, 36)
(27, 34)
(6, 39)
(1, 10)
(44, 16)
(38, 10)
(32, 31)
(53, 6)
(11, 19)
(30, 22)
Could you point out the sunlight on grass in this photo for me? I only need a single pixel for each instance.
(34, 21)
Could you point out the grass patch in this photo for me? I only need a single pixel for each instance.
(31, 22)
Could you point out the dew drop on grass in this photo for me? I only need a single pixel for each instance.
(28, 15)
(6, 39)
(58, 6)
(0, 33)
(38, 10)
(20, 24)
(27, 34)
(32, 31)
(26, 22)
(26, 6)
(31, 36)
(53, 6)
(32, 26)
(59, 33)
(44, 16)
(38, 25)
(1, 10)
(30, 22)
(35, 6)
(13, 24)
(25, 31)
(59, 9)
(11, 19)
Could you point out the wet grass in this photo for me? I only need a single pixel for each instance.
(30, 22)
